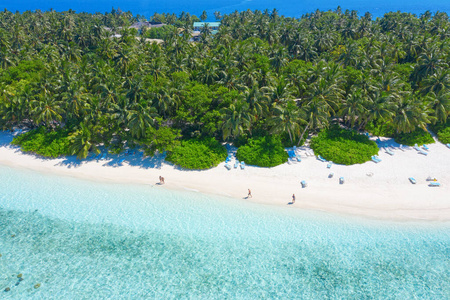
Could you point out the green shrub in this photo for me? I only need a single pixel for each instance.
(264, 151)
(418, 136)
(381, 129)
(343, 146)
(444, 135)
(46, 143)
(443, 131)
(197, 154)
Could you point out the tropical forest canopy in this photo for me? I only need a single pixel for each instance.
(95, 80)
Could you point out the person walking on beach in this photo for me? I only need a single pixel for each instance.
(293, 198)
(249, 194)
(162, 179)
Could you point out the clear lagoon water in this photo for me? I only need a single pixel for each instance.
(88, 240)
(292, 8)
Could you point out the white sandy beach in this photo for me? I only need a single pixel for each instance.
(387, 194)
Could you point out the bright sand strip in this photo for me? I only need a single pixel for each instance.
(387, 194)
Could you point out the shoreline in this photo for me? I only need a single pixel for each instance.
(387, 195)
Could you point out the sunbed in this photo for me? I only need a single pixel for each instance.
(434, 184)
(413, 181)
(420, 150)
(321, 158)
(236, 164)
(426, 147)
(121, 161)
(242, 165)
(376, 159)
(329, 164)
(98, 156)
(331, 175)
(341, 180)
(448, 145)
(228, 166)
(291, 153)
(402, 147)
(304, 184)
(103, 156)
(389, 151)
(423, 152)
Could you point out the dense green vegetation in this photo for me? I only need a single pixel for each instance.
(48, 144)
(342, 146)
(443, 131)
(162, 33)
(197, 154)
(264, 151)
(104, 84)
(418, 136)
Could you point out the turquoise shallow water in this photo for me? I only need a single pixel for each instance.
(85, 240)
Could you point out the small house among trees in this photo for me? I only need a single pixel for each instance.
(213, 26)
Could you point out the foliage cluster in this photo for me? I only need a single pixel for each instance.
(197, 154)
(162, 33)
(418, 136)
(342, 146)
(24, 70)
(46, 143)
(160, 140)
(383, 129)
(266, 151)
(443, 131)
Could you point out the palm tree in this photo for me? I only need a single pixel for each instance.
(235, 119)
(353, 108)
(440, 104)
(287, 118)
(429, 62)
(82, 141)
(410, 113)
(217, 15)
(437, 82)
(139, 119)
(46, 109)
(203, 16)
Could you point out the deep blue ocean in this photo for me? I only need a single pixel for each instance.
(291, 8)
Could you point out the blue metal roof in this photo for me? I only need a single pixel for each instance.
(210, 24)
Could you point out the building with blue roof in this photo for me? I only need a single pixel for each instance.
(214, 26)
